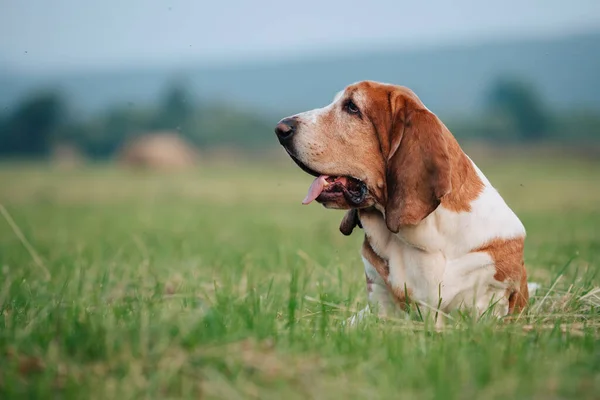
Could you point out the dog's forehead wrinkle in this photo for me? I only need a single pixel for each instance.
(358, 97)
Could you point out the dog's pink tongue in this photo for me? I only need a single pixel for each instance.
(315, 189)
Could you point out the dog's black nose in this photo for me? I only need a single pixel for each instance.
(286, 128)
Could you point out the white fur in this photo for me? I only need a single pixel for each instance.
(378, 293)
(434, 259)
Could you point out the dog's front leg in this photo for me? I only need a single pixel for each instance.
(380, 300)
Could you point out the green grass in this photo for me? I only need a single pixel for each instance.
(219, 284)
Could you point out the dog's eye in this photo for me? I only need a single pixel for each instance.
(351, 108)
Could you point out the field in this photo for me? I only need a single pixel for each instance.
(219, 284)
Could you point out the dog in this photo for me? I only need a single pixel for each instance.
(436, 232)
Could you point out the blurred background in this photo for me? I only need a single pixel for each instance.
(168, 83)
(122, 278)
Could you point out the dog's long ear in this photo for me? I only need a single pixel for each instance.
(418, 166)
(349, 221)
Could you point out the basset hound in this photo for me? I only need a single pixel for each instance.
(436, 231)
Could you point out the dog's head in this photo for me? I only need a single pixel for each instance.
(374, 145)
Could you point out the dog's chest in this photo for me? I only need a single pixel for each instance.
(424, 261)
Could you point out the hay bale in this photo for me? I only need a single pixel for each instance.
(159, 150)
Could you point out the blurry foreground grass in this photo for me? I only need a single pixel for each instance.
(219, 284)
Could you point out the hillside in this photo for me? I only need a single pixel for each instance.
(450, 79)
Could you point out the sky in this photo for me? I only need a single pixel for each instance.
(60, 35)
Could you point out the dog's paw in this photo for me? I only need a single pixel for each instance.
(357, 318)
(533, 287)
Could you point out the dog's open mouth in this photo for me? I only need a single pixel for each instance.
(326, 188)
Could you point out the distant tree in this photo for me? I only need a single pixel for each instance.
(28, 130)
(521, 104)
(175, 109)
(2, 129)
(104, 135)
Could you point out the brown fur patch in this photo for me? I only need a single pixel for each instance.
(466, 184)
(510, 268)
(517, 300)
(428, 167)
(418, 173)
(423, 163)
